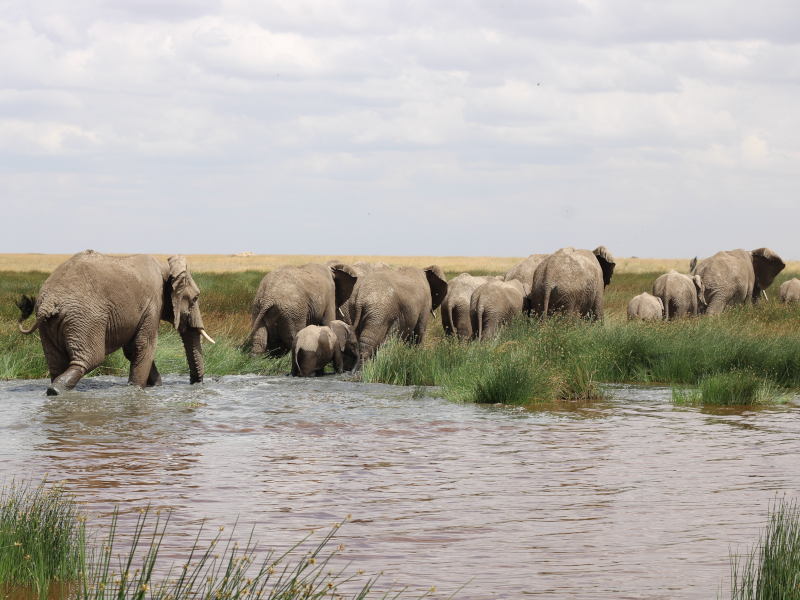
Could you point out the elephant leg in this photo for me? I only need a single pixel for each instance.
(66, 380)
(155, 377)
(372, 335)
(86, 351)
(419, 329)
(57, 358)
(338, 361)
(141, 351)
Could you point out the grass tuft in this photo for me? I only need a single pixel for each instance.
(736, 388)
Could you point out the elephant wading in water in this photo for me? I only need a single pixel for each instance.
(736, 276)
(790, 290)
(290, 298)
(455, 306)
(398, 300)
(94, 304)
(681, 294)
(523, 271)
(315, 346)
(572, 281)
(494, 304)
(645, 307)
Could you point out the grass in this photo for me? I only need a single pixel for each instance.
(44, 554)
(771, 570)
(735, 388)
(42, 542)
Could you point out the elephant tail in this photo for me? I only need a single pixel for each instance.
(546, 303)
(26, 305)
(258, 317)
(479, 323)
(666, 308)
(356, 316)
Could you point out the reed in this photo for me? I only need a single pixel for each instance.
(771, 569)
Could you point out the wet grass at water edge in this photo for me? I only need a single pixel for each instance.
(735, 388)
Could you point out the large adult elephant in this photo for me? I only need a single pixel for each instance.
(493, 304)
(736, 276)
(94, 304)
(455, 306)
(524, 270)
(360, 268)
(290, 298)
(572, 281)
(399, 300)
(681, 294)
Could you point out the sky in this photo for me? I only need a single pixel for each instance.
(497, 127)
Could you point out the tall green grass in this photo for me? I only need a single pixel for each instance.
(771, 570)
(42, 541)
(736, 388)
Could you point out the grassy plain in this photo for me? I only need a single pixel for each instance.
(530, 362)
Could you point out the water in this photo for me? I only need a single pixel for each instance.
(629, 498)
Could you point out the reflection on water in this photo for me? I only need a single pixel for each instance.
(630, 498)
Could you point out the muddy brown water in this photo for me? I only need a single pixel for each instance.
(628, 498)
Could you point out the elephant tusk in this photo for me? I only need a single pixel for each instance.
(205, 335)
(765, 295)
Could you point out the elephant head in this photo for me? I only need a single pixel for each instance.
(700, 288)
(348, 344)
(607, 263)
(438, 284)
(344, 279)
(182, 309)
(766, 266)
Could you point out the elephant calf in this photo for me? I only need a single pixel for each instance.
(681, 294)
(315, 346)
(493, 304)
(790, 290)
(456, 318)
(645, 307)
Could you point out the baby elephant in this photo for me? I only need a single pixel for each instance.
(646, 307)
(790, 290)
(315, 346)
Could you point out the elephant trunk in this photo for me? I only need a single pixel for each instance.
(194, 354)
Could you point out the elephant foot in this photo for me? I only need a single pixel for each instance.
(66, 381)
(52, 391)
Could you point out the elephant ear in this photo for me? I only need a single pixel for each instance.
(178, 280)
(700, 288)
(607, 263)
(438, 284)
(344, 278)
(341, 330)
(766, 265)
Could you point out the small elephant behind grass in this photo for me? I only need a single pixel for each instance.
(645, 307)
(315, 346)
(790, 291)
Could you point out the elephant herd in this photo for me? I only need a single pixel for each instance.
(94, 304)
(725, 279)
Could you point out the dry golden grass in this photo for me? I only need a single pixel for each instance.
(226, 263)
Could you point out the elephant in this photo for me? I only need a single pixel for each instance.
(572, 281)
(93, 304)
(493, 304)
(736, 276)
(360, 268)
(289, 298)
(455, 306)
(680, 294)
(790, 290)
(395, 300)
(524, 271)
(315, 346)
(646, 307)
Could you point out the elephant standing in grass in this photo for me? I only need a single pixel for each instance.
(646, 308)
(681, 294)
(399, 300)
(455, 307)
(315, 346)
(790, 290)
(290, 298)
(94, 304)
(523, 271)
(572, 281)
(360, 269)
(493, 304)
(736, 276)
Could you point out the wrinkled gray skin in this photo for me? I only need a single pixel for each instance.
(736, 276)
(399, 300)
(361, 268)
(645, 307)
(290, 298)
(455, 306)
(572, 281)
(790, 290)
(493, 304)
(94, 304)
(315, 346)
(523, 271)
(681, 294)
